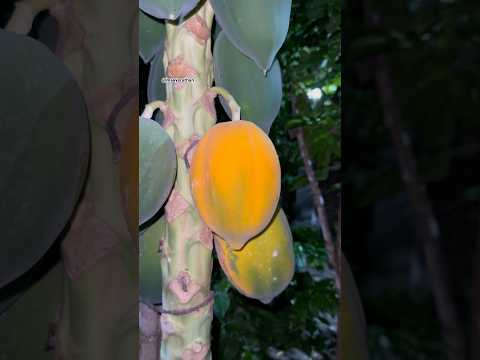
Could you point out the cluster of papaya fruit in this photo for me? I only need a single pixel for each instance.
(235, 182)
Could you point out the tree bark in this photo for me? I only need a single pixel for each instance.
(319, 203)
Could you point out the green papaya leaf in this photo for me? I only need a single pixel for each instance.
(44, 151)
(158, 167)
(151, 37)
(149, 262)
(156, 88)
(24, 327)
(167, 9)
(257, 28)
(259, 96)
(352, 343)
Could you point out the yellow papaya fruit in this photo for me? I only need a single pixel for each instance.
(264, 267)
(235, 180)
(129, 169)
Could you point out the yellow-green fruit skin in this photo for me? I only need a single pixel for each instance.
(235, 180)
(264, 267)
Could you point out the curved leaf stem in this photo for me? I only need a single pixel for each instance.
(22, 18)
(151, 107)
(232, 103)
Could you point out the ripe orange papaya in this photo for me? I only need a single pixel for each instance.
(264, 267)
(129, 170)
(235, 180)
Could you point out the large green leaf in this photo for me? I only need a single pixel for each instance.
(257, 28)
(149, 263)
(167, 9)
(156, 88)
(158, 166)
(151, 37)
(44, 151)
(259, 96)
(352, 343)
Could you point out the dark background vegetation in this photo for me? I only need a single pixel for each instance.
(431, 51)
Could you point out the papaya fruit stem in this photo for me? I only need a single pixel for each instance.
(232, 103)
(22, 18)
(151, 107)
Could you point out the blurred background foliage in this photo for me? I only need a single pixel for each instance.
(301, 323)
(432, 49)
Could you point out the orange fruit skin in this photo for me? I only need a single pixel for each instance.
(235, 180)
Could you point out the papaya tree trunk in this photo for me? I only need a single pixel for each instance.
(187, 302)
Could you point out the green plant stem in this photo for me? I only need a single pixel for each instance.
(187, 258)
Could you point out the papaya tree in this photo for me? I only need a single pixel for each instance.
(204, 186)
